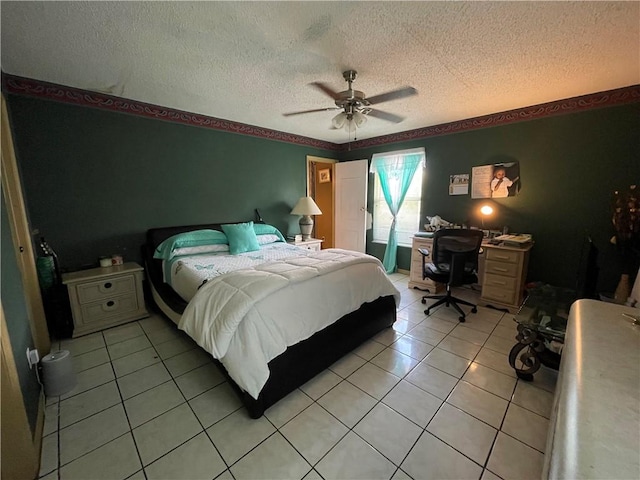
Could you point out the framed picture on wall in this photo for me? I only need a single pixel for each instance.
(324, 175)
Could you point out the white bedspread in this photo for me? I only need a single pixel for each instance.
(187, 274)
(248, 317)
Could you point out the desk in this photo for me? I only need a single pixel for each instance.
(501, 273)
(594, 430)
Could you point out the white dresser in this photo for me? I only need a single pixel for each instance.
(104, 297)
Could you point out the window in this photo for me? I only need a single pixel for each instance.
(408, 218)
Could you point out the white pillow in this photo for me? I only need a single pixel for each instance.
(267, 238)
(200, 249)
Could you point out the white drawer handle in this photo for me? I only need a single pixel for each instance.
(497, 269)
(495, 282)
(502, 257)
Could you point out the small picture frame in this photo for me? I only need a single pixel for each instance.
(324, 175)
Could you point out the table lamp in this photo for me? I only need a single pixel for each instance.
(306, 207)
(486, 211)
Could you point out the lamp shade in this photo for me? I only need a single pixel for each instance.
(306, 206)
(349, 121)
(339, 120)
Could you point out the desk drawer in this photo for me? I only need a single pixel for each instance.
(499, 281)
(501, 268)
(503, 255)
(95, 312)
(498, 293)
(107, 288)
(416, 271)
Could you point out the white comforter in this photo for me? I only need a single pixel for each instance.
(248, 317)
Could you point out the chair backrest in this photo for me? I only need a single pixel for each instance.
(456, 250)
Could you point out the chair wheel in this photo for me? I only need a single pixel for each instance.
(525, 376)
(462, 319)
(474, 310)
(424, 300)
(426, 312)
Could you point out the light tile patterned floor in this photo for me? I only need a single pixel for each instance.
(430, 398)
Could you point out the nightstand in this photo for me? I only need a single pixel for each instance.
(313, 244)
(104, 297)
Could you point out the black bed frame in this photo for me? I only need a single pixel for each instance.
(300, 362)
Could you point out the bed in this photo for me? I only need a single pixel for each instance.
(345, 324)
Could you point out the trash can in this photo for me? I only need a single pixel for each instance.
(58, 375)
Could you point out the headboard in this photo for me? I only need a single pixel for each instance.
(153, 267)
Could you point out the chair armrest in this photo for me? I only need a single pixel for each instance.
(424, 252)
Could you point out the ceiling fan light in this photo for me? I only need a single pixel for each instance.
(359, 119)
(339, 120)
(350, 125)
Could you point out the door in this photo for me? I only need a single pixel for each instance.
(351, 205)
(22, 401)
(20, 449)
(21, 233)
(320, 182)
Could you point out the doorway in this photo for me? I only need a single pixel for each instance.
(320, 187)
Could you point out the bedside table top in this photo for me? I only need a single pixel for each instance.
(100, 272)
(302, 242)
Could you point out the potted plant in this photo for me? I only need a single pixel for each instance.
(626, 223)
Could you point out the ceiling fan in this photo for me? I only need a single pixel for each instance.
(355, 105)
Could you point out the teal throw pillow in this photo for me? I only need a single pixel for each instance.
(242, 237)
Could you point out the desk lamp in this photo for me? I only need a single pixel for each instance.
(306, 207)
(486, 211)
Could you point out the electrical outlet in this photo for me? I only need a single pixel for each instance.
(32, 357)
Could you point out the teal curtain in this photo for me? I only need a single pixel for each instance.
(395, 173)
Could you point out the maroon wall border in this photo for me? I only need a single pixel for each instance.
(607, 98)
(60, 93)
(39, 89)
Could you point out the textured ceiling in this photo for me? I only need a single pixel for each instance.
(250, 62)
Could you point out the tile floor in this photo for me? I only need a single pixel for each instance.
(430, 398)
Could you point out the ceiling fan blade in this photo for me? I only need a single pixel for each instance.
(311, 111)
(390, 117)
(326, 89)
(393, 95)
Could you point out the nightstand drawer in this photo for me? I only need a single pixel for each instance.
(113, 307)
(501, 268)
(104, 289)
(313, 244)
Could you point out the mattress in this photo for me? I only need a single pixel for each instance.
(247, 316)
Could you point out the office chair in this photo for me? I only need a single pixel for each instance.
(454, 261)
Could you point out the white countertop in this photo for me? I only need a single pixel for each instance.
(595, 426)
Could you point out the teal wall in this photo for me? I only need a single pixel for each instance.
(14, 305)
(95, 180)
(570, 166)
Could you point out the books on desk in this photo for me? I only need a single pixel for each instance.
(520, 240)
